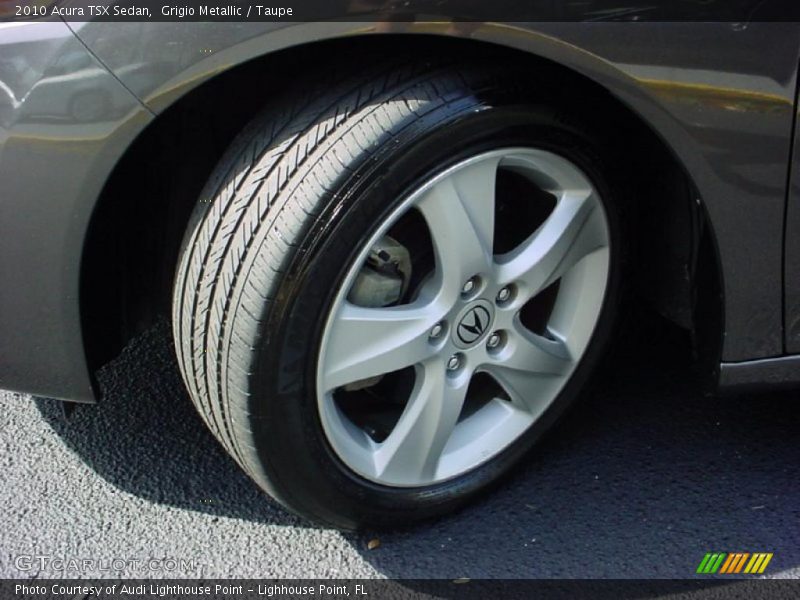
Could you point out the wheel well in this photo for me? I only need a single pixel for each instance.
(135, 234)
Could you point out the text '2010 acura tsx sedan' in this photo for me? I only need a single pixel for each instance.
(393, 250)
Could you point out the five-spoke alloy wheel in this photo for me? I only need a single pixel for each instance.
(465, 319)
(394, 283)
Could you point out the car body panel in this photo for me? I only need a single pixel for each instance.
(52, 168)
(721, 95)
(726, 114)
(792, 252)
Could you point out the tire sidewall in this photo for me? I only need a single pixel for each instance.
(301, 467)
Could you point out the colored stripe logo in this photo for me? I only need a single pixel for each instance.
(732, 563)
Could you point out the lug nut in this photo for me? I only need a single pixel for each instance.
(453, 363)
(436, 331)
(504, 295)
(468, 286)
(494, 340)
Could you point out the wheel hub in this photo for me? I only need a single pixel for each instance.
(472, 324)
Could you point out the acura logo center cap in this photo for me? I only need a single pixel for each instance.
(473, 323)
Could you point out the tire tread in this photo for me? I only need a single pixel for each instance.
(276, 177)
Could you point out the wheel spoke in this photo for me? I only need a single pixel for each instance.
(529, 392)
(412, 450)
(365, 342)
(533, 366)
(536, 353)
(573, 230)
(459, 211)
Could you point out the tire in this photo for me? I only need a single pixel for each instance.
(279, 228)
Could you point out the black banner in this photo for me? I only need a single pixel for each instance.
(310, 589)
(401, 10)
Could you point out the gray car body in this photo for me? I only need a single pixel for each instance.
(721, 96)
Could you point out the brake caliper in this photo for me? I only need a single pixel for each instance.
(383, 281)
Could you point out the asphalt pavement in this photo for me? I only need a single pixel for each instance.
(641, 479)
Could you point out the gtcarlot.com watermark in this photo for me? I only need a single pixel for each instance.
(38, 563)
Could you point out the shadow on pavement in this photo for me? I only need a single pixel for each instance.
(146, 438)
(641, 479)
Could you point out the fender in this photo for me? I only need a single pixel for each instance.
(718, 99)
(665, 72)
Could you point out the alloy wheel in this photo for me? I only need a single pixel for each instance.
(440, 381)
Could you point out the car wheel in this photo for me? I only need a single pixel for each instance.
(393, 284)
